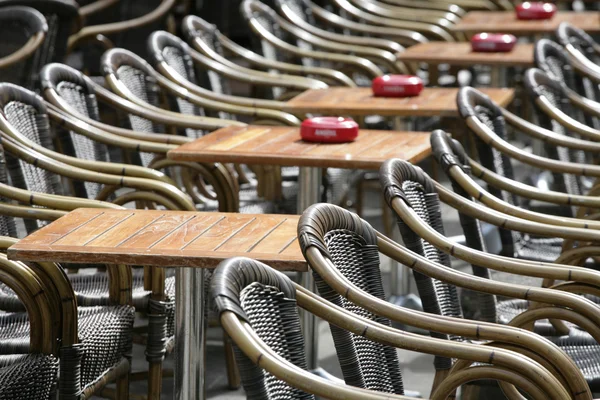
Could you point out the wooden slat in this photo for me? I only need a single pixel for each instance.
(507, 22)
(461, 54)
(430, 102)
(283, 146)
(164, 238)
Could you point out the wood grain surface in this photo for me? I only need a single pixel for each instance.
(283, 146)
(164, 239)
(461, 54)
(431, 102)
(507, 22)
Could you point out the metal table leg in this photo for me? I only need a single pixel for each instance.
(190, 334)
(309, 194)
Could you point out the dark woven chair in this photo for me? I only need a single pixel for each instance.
(92, 290)
(417, 191)
(32, 375)
(257, 306)
(473, 104)
(576, 40)
(23, 30)
(284, 79)
(62, 17)
(277, 43)
(344, 251)
(552, 58)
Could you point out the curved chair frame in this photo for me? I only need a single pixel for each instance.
(249, 7)
(36, 24)
(161, 39)
(194, 27)
(234, 321)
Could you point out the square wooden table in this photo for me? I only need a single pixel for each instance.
(189, 241)
(283, 146)
(431, 102)
(461, 54)
(507, 22)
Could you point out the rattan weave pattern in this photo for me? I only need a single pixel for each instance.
(27, 377)
(364, 363)
(275, 320)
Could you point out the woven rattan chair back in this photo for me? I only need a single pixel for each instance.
(353, 251)
(418, 191)
(132, 73)
(260, 14)
(71, 85)
(163, 46)
(194, 27)
(8, 226)
(537, 83)
(266, 299)
(62, 17)
(551, 58)
(301, 8)
(26, 112)
(18, 25)
(473, 103)
(578, 38)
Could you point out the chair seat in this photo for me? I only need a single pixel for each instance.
(105, 335)
(539, 249)
(30, 376)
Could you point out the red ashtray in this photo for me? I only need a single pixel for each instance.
(493, 42)
(535, 10)
(329, 129)
(397, 86)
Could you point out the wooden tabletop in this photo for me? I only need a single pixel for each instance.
(269, 145)
(430, 102)
(456, 53)
(164, 239)
(507, 22)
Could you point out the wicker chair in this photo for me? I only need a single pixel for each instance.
(241, 284)
(31, 375)
(551, 58)
(383, 58)
(132, 78)
(299, 13)
(274, 36)
(580, 46)
(414, 198)
(23, 30)
(74, 106)
(206, 39)
(487, 120)
(432, 28)
(173, 58)
(62, 18)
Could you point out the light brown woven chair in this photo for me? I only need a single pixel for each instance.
(23, 30)
(273, 32)
(343, 250)
(206, 39)
(582, 49)
(264, 340)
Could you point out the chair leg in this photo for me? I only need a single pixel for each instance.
(470, 392)
(123, 388)
(154, 380)
(233, 374)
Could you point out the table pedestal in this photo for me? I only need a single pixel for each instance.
(309, 193)
(190, 334)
